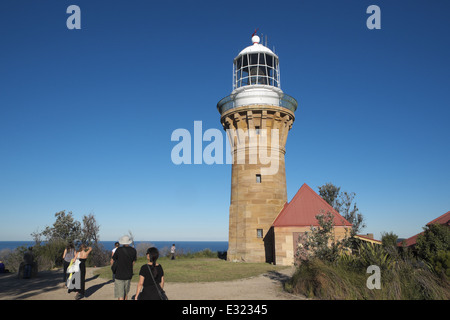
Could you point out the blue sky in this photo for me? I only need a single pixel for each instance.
(86, 115)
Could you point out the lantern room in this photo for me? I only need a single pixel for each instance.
(256, 65)
(256, 80)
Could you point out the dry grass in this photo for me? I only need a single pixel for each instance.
(317, 279)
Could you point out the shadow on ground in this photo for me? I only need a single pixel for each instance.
(13, 288)
(91, 290)
(278, 277)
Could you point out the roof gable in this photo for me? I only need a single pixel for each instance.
(304, 207)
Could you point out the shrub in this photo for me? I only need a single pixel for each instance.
(317, 279)
(441, 263)
(49, 255)
(346, 278)
(99, 256)
(142, 248)
(326, 271)
(320, 242)
(13, 258)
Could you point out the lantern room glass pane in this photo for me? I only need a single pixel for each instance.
(262, 59)
(269, 60)
(244, 60)
(238, 63)
(253, 58)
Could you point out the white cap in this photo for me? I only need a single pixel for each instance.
(257, 47)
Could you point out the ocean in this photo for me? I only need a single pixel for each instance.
(185, 246)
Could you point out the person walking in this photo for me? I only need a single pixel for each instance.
(68, 255)
(125, 257)
(82, 255)
(151, 278)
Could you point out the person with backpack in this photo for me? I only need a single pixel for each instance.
(124, 258)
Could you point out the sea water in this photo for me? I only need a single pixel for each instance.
(184, 246)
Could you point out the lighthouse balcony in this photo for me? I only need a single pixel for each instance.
(257, 97)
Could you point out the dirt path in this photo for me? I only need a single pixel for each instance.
(48, 285)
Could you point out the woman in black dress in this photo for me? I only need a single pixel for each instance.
(146, 283)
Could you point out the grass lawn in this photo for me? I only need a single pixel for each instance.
(200, 269)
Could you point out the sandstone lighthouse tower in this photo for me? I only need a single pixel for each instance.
(257, 116)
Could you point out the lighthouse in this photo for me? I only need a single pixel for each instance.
(257, 117)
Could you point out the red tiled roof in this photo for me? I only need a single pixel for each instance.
(410, 241)
(444, 219)
(304, 207)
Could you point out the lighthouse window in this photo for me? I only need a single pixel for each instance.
(259, 233)
(258, 178)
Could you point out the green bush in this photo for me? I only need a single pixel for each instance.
(441, 263)
(49, 255)
(435, 238)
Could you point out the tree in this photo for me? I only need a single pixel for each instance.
(350, 212)
(343, 203)
(436, 237)
(65, 228)
(320, 242)
(90, 230)
(388, 239)
(90, 236)
(330, 193)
